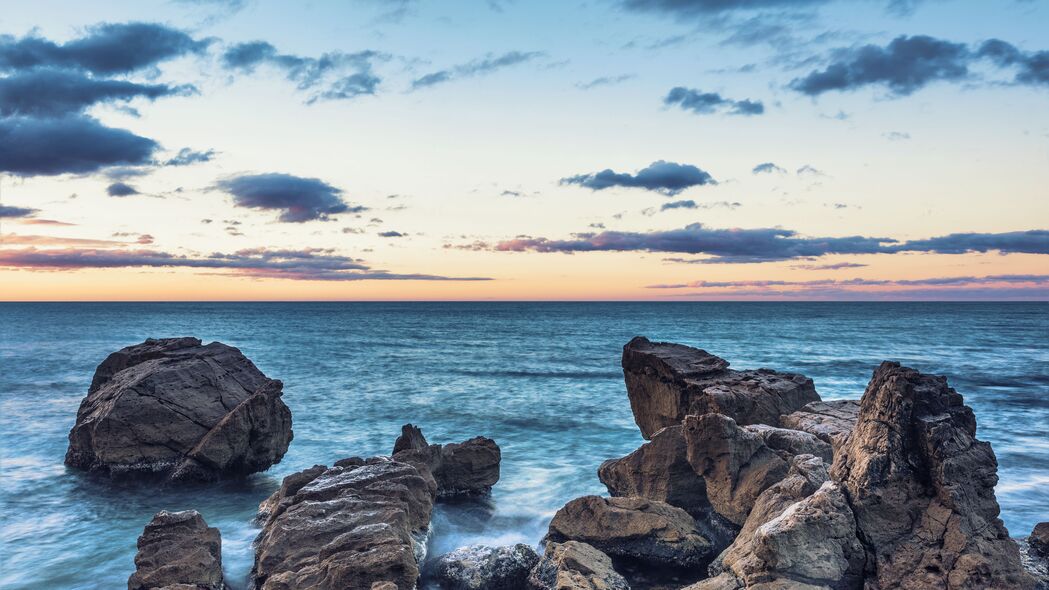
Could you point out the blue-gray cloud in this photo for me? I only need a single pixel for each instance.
(310, 72)
(668, 178)
(187, 156)
(1034, 241)
(298, 199)
(80, 145)
(690, 204)
(605, 81)
(687, 9)
(121, 189)
(1032, 68)
(15, 212)
(767, 168)
(391, 234)
(705, 103)
(476, 67)
(48, 92)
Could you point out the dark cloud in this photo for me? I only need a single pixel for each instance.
(299, 199)
(690, 204)
(391, 234)
(477, 67)
(107, 49)
(605, 81)
(79, 145)
(704, 103)
(688, 9)
(186, 156)
(121, 189)
(1032, 68)
(311, 264)
(767, 167)
(664, 177)
(9, 211)
(310, 72)
(50, 92)
(835, 266)
(1020, 242)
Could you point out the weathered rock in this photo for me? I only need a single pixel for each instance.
(177, 409)
(666, 382)
(178, 549)
(647, 531)
(1039, 539)
(345, 528)
(1036, 565)
(384, 586)
(831, 421)
(469, 467)
(922, 488)
(573, 565)
(480, 567)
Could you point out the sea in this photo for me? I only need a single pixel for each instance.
(542, 379)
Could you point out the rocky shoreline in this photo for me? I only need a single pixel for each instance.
(748, 480)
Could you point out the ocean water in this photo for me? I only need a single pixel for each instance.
(542, 379)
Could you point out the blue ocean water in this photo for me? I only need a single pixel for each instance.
(543, 379)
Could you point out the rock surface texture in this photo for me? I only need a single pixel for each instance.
(178, 550)
(469, 467)
(1039, 540)
(921, 487)
(180, 410)
(573, 565)
(480, 567)
(351, 527)
(666, 382)
(830, 421)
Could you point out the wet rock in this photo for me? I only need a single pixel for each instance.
(1039, 540)
(469, 467)
(647, 531)
(480, 567)
(179, 410)
(830, 421)
(573, 565)
(178, 549)
(347, 528)
(921, 487)
(666, 382)
(1036, 565)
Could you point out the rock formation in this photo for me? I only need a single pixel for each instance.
(347, 527)
(830, 421)
(666, 382)
(575, 566)
(177, 409)
(177, 550)
(479, 567)
(469, 467)
(1039, 540)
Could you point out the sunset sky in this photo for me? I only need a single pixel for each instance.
(518, 150)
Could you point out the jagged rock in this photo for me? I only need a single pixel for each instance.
(176, 550)
(666, 382)
(738, 463)
(573, 565)
(480, 567)
(647, 531)
(469, 467)
(177, 409)
(830, 421)
(288, 487)
(922, 488)
(1039, 539)
(346, 528)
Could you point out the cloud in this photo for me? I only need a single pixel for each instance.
(310, 72)
(186, 156)
(767, 168)
(1020, 242)
(690, 204)
(1032, 68)
(121, 189)
(79, 145)
(809, 171)
(7, 211)
(688, 9)
(299, 199)
(835, 266)
(391, 234)
(476, 67)
(896, 135)
(605, 81)
(704, 103)
(664, 177)
(32, 240)
(106, 49)
(52, 93)
(310, 264)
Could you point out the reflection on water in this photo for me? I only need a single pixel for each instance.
(541, 379)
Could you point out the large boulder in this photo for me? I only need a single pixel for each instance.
(176, 409)
(480, 567)
(666, 382)
(176, 550)
(353, 526)
(831, 421)
(921, 487)
(637, 529)
(466, 468)
(573, 565)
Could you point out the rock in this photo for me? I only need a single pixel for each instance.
(178, 549)
(180, 410)
(921, 487)
(480, 567)
(830, 421)
(666, 382)
(289, 487)
(1036, 565)
(647, 531)
(346, 528)
(384, 586)
(469, 467)
(573, 565)
(1039, 540)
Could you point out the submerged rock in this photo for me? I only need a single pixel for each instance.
(831, 421)
(666, 382)
(573, 565)
(480, 567)
(180, 410)
(921, 487)
(178, 550)
(352, 527)
(469, 467)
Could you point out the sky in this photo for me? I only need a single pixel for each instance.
(668, 150)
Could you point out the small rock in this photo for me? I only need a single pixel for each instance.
(480, 567)
(469, 467)
(573, 565)
(1039, 539)
(178, 549)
